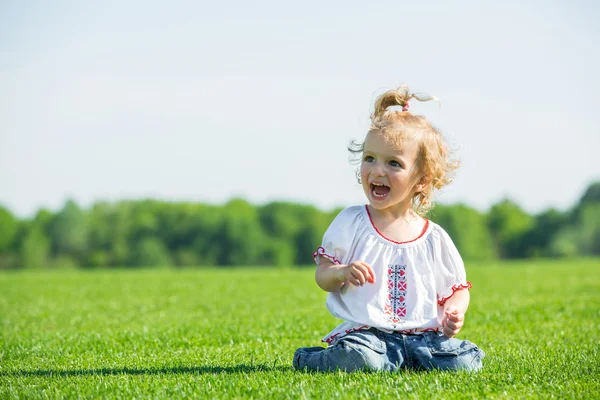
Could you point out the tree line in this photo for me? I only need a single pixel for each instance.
(158, 233)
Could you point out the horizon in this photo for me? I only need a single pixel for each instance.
(87, 207)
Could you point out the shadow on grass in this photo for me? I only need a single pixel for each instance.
(201, 370)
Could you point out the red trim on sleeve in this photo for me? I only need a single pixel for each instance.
(456, 287)
(393, 241)
(321, 252)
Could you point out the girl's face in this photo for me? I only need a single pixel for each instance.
(389, 175)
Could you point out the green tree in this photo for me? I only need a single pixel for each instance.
(309, 237)
(189, 231)
(278, 252)
(151, 252)
(281, 222)
(203, 226)
(240, 237)
(546, 226)
(294, 230)
(468, 229)
(144, 219)
(186, 258)
(69, 232)
(589, 229)
(33, 242)
(591, 195)
(279, 219)
(9, 226)
(509, 224)
(35, 248)
(581, 238)
(115, 232)
(100, 235)
(8, 229)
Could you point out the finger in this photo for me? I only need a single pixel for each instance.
(368, 271)
(451, 311)
(453, 314)
(349, 275)
(455, 317)
(359, 276)
(452, 332)
(453, 325)
(371, 273)
(449, 333)
(354, 281)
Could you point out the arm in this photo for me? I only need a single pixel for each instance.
(331, 277)
(454, 312)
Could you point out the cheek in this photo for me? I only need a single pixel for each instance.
(364, 171)
(401, 180)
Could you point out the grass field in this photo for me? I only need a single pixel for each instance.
(231, 334)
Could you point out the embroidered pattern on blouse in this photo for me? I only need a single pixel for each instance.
(395, 304)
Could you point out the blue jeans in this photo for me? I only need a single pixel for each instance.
(376, 350)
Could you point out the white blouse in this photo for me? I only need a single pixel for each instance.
(412, 279)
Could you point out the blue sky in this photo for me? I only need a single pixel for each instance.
(205, 101)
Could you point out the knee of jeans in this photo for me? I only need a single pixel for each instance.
(454, 354)
(469, 361)
(296, 360)
(475, 364)
(352, 356)
(309, 358)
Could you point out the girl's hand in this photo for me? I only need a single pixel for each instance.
(452, 322)
(357, 273)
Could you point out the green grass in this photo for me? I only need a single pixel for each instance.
(231, 334)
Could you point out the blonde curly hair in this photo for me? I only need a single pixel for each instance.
(434, 159)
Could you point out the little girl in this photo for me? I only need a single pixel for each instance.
(394, 278)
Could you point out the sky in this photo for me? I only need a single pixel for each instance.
(207, 101)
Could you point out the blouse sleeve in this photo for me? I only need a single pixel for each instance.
(337, 238)
(450, 269)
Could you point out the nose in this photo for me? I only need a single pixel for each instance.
(378, 170)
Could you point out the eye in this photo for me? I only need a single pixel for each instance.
(395, 163)
(368, 159)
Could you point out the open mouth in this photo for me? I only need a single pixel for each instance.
(379, 191)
